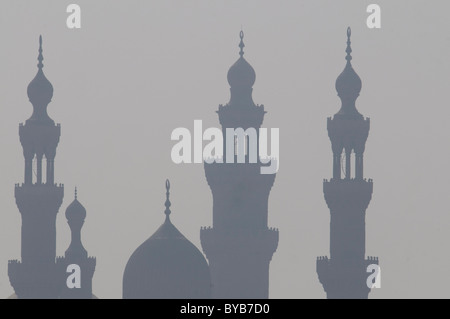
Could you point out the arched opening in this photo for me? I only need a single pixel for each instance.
(37, 169)
(348, 163)
(44, 169)
(34, 169)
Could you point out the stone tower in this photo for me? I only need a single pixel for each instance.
(38, 198)
(344, 274)
(239, 246)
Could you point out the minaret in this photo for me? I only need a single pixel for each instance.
(77, 255)
(38, 200)
(239, 245)
(344, 274)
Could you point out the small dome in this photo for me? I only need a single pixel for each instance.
(241, 73)
(167, 266)
(75, 211)
(40, 90)
(348, 83)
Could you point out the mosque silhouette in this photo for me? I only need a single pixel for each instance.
(239, 244)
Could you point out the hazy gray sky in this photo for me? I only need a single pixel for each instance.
(138, 69)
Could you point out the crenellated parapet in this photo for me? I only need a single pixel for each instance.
(39, 199)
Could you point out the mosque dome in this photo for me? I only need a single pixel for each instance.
(167, 266)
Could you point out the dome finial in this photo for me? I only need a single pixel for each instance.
(241, 44)
(167, 203)
(40, 57)
(76, 193)
(349, 49)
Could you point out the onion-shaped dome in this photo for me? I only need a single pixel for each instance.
(40, 91)
(348, 84)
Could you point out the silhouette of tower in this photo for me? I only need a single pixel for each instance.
(38, 200)
(239, 245)
(76, 255)
(167, 265)
(344, 274)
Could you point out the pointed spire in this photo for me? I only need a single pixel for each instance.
(40, 92)
(167, 203)
(75, 192)
(241, 44)
(40, 56)
(241, 77)
(349, 49)
(348, 85)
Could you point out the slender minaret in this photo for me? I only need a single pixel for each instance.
(38, 200)
(239, 245)
(344, 274)
(77, 256)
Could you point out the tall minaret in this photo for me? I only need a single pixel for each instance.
(77, 256)
(38, 200)
(344, 274)
(239, 246)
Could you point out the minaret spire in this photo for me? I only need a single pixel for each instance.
(167, 203)
(241, 44)
(348, 85)
(241, 77)
(349, 48)
(40, 56)
(40, 93)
